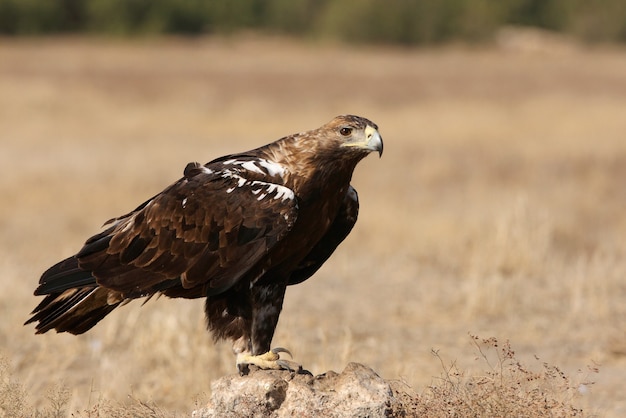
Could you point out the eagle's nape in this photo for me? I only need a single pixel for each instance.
(237, 230)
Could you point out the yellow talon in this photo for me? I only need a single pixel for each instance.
(268, 361)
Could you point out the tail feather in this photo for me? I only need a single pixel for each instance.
(74, 301)
(63, 276)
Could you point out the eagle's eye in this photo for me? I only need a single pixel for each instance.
(345, 131)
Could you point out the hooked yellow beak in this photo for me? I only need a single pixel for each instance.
(374, 142)
(369, 141)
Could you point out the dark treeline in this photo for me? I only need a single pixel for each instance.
(373, 21)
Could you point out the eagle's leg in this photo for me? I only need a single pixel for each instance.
(267, 302)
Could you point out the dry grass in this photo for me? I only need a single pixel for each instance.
(497, 209)
(507, 388)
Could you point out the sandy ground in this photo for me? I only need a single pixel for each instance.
(498, 208)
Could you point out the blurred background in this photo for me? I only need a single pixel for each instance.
(498, 208)
(405, 22)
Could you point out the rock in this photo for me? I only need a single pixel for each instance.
(357, 392)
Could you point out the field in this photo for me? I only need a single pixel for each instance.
(498, 208)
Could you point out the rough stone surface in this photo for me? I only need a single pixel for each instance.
(356, 392)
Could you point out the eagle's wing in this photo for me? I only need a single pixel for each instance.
(338, 231)
(208, 229)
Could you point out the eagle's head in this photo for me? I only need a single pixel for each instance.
(354, 134)
(346, 137)
(328, 153)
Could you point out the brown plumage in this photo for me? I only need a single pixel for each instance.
(236, 230)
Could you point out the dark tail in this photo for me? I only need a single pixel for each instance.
(74, 302)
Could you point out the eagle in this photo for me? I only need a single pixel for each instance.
(236, 231)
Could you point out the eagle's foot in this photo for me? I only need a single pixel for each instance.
(270, 360)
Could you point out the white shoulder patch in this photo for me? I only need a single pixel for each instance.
(272, 168)
(251, 166)
(260, 189)
(260, 166)
(230, 174)
(275, 191)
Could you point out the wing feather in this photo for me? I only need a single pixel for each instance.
(209, 229)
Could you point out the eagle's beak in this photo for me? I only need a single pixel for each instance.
(374, 140)
(371, 142)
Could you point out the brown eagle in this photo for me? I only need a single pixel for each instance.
(237, 231)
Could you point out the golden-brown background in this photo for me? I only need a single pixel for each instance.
(498, 208)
